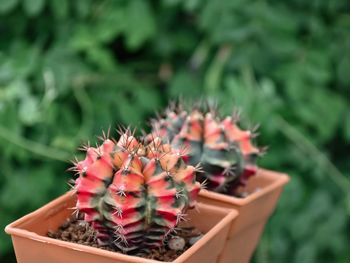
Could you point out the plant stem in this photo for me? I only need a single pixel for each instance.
(307, 146)
(34, 147)
(86, 110)
(215, 71)
(200, 55)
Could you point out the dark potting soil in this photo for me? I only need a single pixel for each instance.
(78, 231)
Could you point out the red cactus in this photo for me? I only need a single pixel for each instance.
(225, 152)
(133, 194)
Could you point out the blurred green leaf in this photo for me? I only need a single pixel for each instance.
(140, 24)
(347, 126)
(184, 84)
(29, 112)
(7, 5)
(60, 8)
(33, 7)
(343, 69)
(306, 253)
(83, 7)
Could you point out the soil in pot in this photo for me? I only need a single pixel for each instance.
(78, 231)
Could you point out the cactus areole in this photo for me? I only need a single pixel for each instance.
(225, 152)
(134, 194)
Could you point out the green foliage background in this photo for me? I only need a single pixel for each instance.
(69, 69)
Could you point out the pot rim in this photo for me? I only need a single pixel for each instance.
(13, 229)
(279, 179)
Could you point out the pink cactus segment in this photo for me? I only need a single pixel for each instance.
(133, 163)
(217, 179)
(87, 187)
(186, 158)
(130, 182)
(193, 194)
(125, 211)
(179, 172)
(126, 192)
(91, 216)
(233, 132)
(192, 129)
(119, 156)
(92, 180)
(128, 142)
(187, 175)
(126, 145)
(169, 215)
(247, 147)
(211, 128)
(157, 183)
(129, 177)
(159, 188)
(243, 138)
(169, 160)
(97, 160)
(92, 154)
(106, 149)
(196, 119)
(100, 170)
(86, 205)
(149, 169)
(94, 171)
(213, 134)
(156, 149)
(133, 230)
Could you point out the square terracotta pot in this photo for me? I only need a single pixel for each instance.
(254, 211)
(33, 246)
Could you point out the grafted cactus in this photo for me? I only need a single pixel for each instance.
(225, 151)
(134, 194)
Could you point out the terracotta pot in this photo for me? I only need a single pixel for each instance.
(33, 246)
(254, 211)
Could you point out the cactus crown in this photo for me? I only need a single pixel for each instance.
(134, 194)
(225, 152)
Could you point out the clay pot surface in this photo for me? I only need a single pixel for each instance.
(33, 246)
(254, 211)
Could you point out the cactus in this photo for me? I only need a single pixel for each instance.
(225, 152)
(134, 194)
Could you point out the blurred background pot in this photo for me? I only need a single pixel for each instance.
(33, 246)
(254, 211)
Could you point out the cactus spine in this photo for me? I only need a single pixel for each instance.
(134, 194)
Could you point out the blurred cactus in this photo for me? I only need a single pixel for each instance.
(225, 152)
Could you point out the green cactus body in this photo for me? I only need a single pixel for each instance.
(225, 152)
(134, 195)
